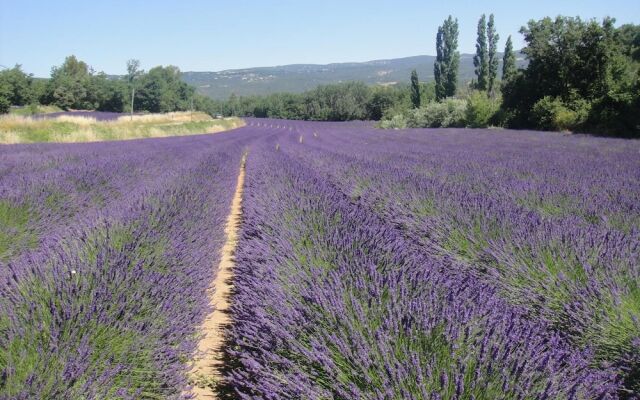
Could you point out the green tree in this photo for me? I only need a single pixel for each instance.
(69, 93)
(5, 97)
(19, 85)
(380, 101)
(480, 110)
(439, 72)
(568, 56)
(427, 92)
(480, 60)
(447, 61)
(110, 94)
(68, 85)
(335, 102)
(628, 35)
(508, 61)
(39, 90)
(162, 90)
(339, 102)
(580, 68)
(233, 106)
(492, 61)
(415, 89)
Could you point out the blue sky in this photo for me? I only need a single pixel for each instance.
(215, 35)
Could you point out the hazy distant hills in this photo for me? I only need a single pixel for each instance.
(300, 77)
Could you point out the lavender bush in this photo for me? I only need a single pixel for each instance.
(334, 301)
(101, 295)
(427, 264)
(516, 211)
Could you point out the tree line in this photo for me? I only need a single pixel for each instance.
(75, 85)
(332, 102)
(580, 76)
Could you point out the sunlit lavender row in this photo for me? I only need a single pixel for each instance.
(552, 221)
(106, 251)
(402, 265)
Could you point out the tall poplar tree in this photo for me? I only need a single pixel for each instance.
(508, 61)
(415, 89)
(492, 38)
(439, 72)
(480, 60)
(445, 69)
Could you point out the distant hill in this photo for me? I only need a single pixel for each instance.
(300, 77)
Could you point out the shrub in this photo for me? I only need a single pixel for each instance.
(616, 114)
(551, 113)
(480, 110)
(503, 117)
(448, 113)
(544, 112)
(396, 122)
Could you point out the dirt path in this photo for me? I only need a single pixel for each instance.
(206, 365)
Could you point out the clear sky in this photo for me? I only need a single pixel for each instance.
(224, 34)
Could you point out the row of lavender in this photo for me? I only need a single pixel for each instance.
(373, 264)
(552, 222)
(108, 250)
(335, 300)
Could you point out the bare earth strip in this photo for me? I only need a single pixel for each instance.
(206, 369)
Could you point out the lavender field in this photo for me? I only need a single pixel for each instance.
(106, 250)
(371, 264)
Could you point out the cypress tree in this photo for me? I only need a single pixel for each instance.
(415, 89)
(438, 67)
(492, 38)
(480, 59)
(451, 41)
(445, 68)
(508, 61)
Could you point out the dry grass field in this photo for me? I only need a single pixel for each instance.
(69, 129)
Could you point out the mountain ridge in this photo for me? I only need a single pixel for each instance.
(297, 78)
